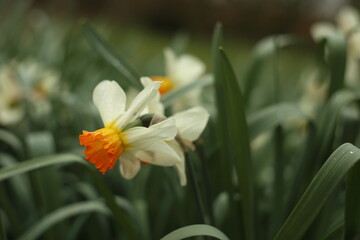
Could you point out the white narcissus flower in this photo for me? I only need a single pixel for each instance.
(347, 19)
(315, 93)
(348, 24)
(180, 71)
(11, 98)
(39, 83)
(189, 123)
(321, 30)
(115, 141)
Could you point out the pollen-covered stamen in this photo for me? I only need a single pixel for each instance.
(103, 147)
(166, 86)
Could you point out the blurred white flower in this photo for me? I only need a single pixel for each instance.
(321, 30)
(347, 19)
(39, 84)
(190, 124)
(117, 140)
(180, 71)
(11, 99)
(315, 93)
(348, 23)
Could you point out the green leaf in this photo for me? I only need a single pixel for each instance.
(260, 56)
(35, 231)
(113, 205)
(315, 196)
(195, 230)
(103, 49)
(2, 228)
(270, 117)
(336, 43)
(19, 184)
(236, 126)
(352, 205)
(327, 123)
(40, 144)
(171, 97)
(11, 140)
(37, 163)
(225, 166)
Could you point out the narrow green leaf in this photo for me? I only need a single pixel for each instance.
(37, 163)
(76, 227)
(171, 97)
(112, 203)
(226, 165)
(270, 117)
(260, 56)
(327, 123)
(352, 205)
(195, 230)
(35, 231)
(103, 49)
(335, 233)
(315, 196)
(11, 140)
(2, 228)
(19, 184)
(217, 41)
(40, 144)
(336, 44)
(236, 126)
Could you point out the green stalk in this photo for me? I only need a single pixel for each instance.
(205, 175)
(199, 200)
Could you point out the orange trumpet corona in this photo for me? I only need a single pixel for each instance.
(103, 147)
(166, 86)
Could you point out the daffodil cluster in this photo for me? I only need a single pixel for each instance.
(26, 81)
(124, 137)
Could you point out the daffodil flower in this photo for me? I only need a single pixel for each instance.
(347, 23)
(12, 109)
(189, 123)
(118, 141)
(179, 71)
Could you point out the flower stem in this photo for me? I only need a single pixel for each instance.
(205, 174)
(199, 200)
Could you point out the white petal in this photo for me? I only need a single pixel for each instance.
(186, 69)
(191, 123)
(129, 165)
(347, 19)
(180, 167)
(155, 105)
(159, 153)
(139, 138)
(110, 99)
(322, 30)
(139, 103)
(170, 61)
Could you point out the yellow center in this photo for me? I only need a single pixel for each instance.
(103, 147)
(166, 86)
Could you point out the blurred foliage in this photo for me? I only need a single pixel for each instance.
(263, 166)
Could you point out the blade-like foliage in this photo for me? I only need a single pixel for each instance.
(336, 43)
(324, 183)
(352, 206)
(236, 127)
(35, 231)
(273, 116)
(171, 97)
(12, 141)
(131, 76)
(37, 163)
(195, 230)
